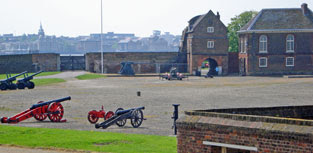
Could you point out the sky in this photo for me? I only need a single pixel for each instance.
(82, 17)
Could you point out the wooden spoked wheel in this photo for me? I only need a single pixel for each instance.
(108, 115)
(55, 112)
(137, 118)
(40, 116)
(120, 123)
(92, 117)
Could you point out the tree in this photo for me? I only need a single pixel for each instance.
(235, 25)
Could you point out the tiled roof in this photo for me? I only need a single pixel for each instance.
(290, 19)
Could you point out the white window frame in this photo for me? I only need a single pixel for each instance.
(210, 44)
(290, 49)
(263, 44)
(210, 29)
(245, 45)
(241, 45)
(293, 62)
(263, 58)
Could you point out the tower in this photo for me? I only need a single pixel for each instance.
(41, 32)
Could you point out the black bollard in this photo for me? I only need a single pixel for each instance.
(175, 117)
(138, 93)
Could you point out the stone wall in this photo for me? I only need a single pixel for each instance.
(29, 62)
(213, 131)
(144, 62)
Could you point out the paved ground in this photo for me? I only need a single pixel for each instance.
(13, 149)
(157, 96)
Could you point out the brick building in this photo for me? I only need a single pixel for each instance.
(205, 39)
(287, 129)
(277, 41)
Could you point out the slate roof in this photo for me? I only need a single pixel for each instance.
(193, 22)
(290, 19)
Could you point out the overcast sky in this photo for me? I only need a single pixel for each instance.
(141, 17)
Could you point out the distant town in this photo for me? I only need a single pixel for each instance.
(112, 42)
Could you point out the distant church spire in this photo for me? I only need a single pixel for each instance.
(41, 32)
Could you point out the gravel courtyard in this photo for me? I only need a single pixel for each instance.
(157, 96)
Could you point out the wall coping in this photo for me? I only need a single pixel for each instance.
(252, 118)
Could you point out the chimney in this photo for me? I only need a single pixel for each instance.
(305, 9)
(218, 15)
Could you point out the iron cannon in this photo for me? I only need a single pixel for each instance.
(120, 117)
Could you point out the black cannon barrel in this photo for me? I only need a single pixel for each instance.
(127, 110)
(30, 77)
(13, 78)
(49, 102)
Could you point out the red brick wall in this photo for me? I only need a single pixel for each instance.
(192, 132)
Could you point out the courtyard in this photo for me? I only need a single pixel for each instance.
(157, 96)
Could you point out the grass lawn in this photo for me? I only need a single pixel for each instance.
(86, 140)
(3, 76)
(90, 76)
(41, 82)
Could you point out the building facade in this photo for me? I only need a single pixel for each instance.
(205, 39)
(277, 42)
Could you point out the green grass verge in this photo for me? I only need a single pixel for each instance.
(90, 76)
(86, 140)
(47, 81)
(3, 76)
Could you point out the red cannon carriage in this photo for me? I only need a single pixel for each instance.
(52, 109)
(93, 116)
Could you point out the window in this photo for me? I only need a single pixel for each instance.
(263, 44)
(290, 43)
(210, 29)
(290, 61)
(246, 45)
(210, 44)
(262, 62)
(241, 45)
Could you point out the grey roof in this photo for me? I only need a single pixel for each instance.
(290, 19)
(193, 22)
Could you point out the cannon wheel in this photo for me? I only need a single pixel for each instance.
(136, 118)
(12, 86)
(31, 85)
(92, 117)
(120, 123)
(3, 86)
(21, 86)
(108, 115)
(40, 117)
(55, 112)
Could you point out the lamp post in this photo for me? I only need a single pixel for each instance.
(101, 43)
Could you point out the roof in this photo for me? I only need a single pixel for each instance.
(274, 20)
(193, 22)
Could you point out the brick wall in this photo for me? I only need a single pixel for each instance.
(144, 62)
(277, 54)
(266, 134)
(29, 62)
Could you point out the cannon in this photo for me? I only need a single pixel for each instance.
(173, 74)
(120, 117)
(8, 83)
(127, 69)
(93, 116)
(25, 82)
(52, 109)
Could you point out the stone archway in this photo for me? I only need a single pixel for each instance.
(210, 66)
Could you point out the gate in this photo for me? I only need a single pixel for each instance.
(72, 62)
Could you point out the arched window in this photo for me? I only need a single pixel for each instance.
(290, 43)
(263, 44)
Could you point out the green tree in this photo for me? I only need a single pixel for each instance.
(235, 25)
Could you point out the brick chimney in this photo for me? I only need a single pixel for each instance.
(305, 9)
(218, 15)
